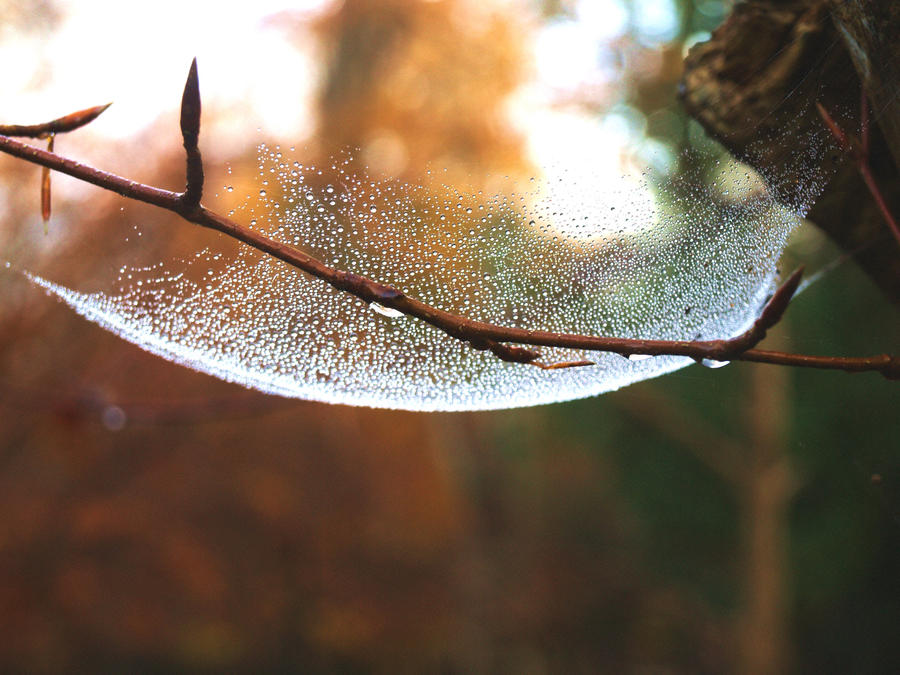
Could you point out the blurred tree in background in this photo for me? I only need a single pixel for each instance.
(738, 520)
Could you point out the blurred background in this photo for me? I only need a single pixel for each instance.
(744, 519)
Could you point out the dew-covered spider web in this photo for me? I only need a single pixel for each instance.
(678, 261)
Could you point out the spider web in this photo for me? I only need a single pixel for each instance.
(694, 261)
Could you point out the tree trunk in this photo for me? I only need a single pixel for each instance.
(754, 85)
(766, 491)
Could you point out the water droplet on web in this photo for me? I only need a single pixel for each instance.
(113, 418)
(389, 312)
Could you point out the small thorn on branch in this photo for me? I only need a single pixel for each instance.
(516, 354)
(190, 132)
(504, 352)
(562, 364)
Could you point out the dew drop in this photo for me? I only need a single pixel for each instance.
(113, 418)
(712, 363)
(389, 312)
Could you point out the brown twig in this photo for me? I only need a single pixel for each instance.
(45, 187)
(858, 150)
(60, 125)
(479, 334)
(48, 130)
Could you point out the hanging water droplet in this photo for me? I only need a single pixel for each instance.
(712, 363)
(389, 312)
(113, 418)
(229, 188)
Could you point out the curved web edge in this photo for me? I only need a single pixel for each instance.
(108, 314)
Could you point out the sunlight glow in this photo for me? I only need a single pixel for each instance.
(595, 186)
(587, 157)
(137, 56)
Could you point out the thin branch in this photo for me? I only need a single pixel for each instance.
(869, 178)
(478, 334)
(858, 150)
(60, 125)
(48, 130)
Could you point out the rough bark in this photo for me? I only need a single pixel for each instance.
(870, 30)
(753, 86)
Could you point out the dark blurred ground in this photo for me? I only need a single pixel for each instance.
(735, 520)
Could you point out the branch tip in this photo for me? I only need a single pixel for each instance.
(190, 107)
(79, 118)
(60, 125)
(778, 303)
(190, 132)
